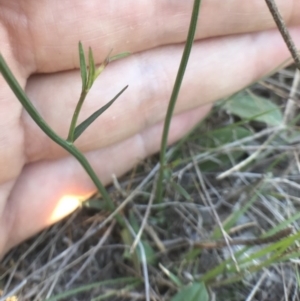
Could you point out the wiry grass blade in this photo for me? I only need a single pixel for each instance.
(86, 123)
(88, 287)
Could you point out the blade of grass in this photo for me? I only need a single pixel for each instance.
(174, 95)
(117, 293)
(232, 219)
(90, 286)
(227, 265)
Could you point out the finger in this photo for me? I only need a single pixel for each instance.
(217, 68)
(49, 40)
(40, 193)
(11, 134)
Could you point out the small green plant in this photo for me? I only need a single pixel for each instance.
(88, 76)
(218, 143)
(174, 96)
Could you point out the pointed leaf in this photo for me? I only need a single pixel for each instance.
(181, 191)
(82, 66)
(83, 126)
(195, 292)
(101, 68)
(91, 68)
(171, 276)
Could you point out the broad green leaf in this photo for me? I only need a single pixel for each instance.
(91, 69)
(84, 125)
(82, 66)
(194, 292)
(255, 108)
(223, 136)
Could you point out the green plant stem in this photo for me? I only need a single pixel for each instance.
(72, 149)
(76, 114)
(68, 146)
(174, 96)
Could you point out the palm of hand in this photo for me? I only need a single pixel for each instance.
(39, 42)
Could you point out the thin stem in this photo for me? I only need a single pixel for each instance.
(87, 167)
(174, 95)
(26, 103)
(68, 146)
(284, 31)
(76, 114)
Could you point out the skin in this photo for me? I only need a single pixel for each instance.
(236, 43)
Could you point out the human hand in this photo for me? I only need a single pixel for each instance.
(234, 46)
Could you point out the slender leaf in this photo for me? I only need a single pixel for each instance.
(171, 276)
(119, 56)
(91, 69)
(90, 286)
(181, 191)
(134, 257)
(149, 251)
(120, 292)
(83, 126)
(195, 292)
(82, 66)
